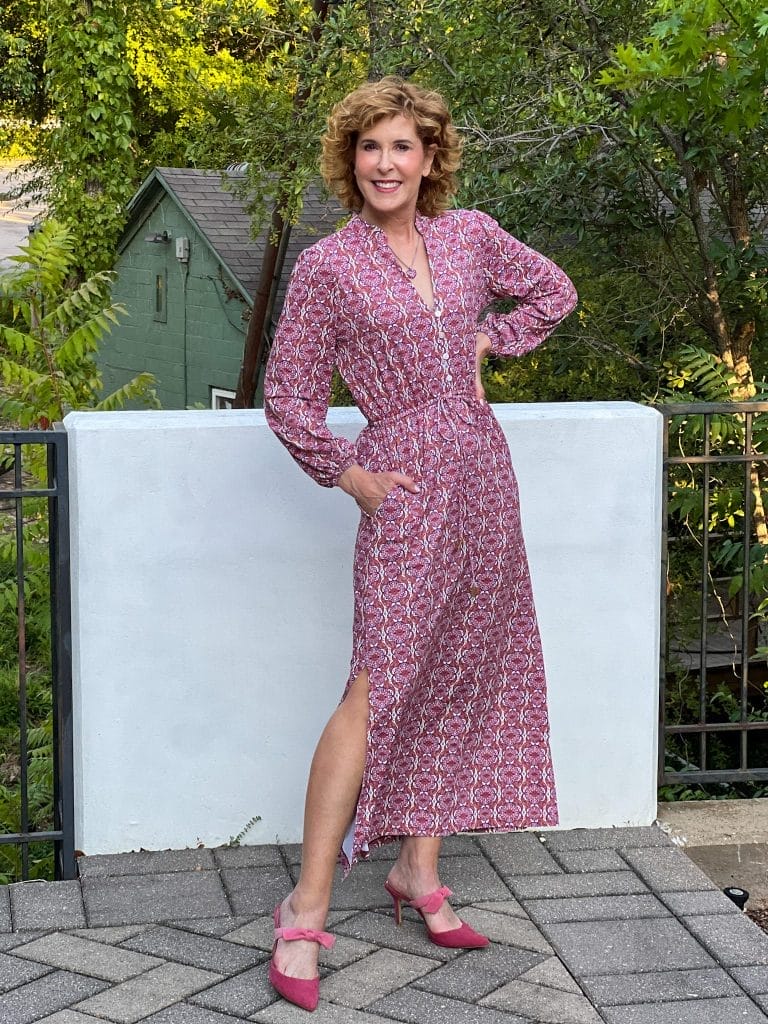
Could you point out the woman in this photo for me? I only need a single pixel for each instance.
(443, 724)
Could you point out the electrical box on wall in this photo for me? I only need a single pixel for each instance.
(182, 250)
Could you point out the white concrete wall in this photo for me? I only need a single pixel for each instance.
(212, 616)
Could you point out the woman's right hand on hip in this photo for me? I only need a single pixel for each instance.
(370, 489)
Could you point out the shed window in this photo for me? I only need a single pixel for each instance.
(222, 398)
(161, 308)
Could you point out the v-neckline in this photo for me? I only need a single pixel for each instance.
(421, 222)
(412, 281)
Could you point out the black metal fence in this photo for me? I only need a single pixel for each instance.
(714, 673)
(36, 772)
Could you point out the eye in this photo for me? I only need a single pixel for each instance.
(405, 146)
(368, 146)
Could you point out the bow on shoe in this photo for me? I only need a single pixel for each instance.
(431, 904)
(308, 934)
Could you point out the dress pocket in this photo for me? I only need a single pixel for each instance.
(390, 502)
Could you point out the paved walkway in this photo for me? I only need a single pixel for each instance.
(728, 839)
(587, 926)
(15, 220)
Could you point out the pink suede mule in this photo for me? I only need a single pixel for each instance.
(462, 937)
(303, 992)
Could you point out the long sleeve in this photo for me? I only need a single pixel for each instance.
(545, 294)
(298, 376)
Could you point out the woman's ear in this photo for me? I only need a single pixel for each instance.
(429, 156)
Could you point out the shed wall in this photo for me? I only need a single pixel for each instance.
(200, 344)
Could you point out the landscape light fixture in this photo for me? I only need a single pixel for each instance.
(738, 895)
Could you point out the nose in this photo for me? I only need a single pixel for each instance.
(385, 160)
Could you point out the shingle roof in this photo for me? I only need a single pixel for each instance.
(220, 215)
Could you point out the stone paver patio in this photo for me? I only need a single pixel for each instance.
(613, 925)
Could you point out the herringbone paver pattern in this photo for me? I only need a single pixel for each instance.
(610, 925)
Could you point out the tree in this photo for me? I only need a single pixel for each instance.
(193, 62)
(125, 86)
(279, 173)
(637, 134)
(490, 65)
(89, 151)
(22, 50)
(695, 121)
(49, 335)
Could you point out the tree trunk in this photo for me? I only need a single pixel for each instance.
(255, 338)
(737, 357)
(738, 215)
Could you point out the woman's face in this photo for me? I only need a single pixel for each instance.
(390, 161)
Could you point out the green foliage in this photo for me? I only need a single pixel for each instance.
(22, 94)
(36, 580)
(89, 151)
(51, 332)
(574, 141)
(718, 791)
(281, 116)
(40, 772)
(607, 350)
(693, 114)
(50, 328)
(699, 376)
(192, 64)
(37, 657)
(237, 840)
(634, 133)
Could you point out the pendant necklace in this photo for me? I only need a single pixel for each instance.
(408, 268)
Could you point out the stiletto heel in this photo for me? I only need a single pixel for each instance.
(303, 992)
(396, 900)
(462, 937)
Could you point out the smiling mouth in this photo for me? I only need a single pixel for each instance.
(386, 186)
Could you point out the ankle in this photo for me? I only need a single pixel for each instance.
(418, 879)
(312, 911)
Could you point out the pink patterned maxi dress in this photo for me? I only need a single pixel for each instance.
(444, 622)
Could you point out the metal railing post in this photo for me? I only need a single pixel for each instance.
(61, 655)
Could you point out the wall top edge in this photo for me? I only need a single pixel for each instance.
(575, 411)
(218, 419)
(143, 419)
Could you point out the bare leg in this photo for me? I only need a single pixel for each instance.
(332, 792)
(415, 874)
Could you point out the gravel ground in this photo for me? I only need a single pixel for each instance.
(759, 915)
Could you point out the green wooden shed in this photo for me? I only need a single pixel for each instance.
(187, 270)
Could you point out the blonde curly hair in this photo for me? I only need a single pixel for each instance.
(371, 102)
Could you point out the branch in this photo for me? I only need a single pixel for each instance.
(593, 23)
(628, 357)
(722, 206)
(721, 331)
(659, 183)
(730, 14)
(547, 138)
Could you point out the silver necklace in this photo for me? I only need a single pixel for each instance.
(409, 268)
